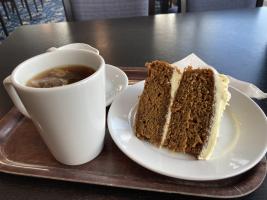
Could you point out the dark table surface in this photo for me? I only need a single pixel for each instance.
(235, 42)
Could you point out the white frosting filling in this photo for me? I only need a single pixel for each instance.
(175, 82)
(222, 96)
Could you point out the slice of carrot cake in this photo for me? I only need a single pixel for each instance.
(181, 109)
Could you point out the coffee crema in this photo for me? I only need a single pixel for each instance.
(59, 76)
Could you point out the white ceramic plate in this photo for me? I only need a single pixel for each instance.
(116, 82)
(241, 145)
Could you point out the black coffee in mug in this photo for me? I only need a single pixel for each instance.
(59, 76)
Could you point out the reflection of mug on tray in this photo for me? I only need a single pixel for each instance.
(70, 118)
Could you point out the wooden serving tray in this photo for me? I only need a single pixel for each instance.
(23, 152)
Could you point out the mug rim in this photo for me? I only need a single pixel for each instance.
(63, 87)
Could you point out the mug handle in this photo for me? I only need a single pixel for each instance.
(14, 96)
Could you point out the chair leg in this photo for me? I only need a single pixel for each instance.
(12, 7)
(21, 1)
(170, 3)
(179, 6)
(164, 6)
(5, 9)
(3, 25)
(16, 9)
(28, 9)
(35, 4)
(151, 7)
(7, 6)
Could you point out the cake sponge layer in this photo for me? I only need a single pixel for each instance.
(154, 102)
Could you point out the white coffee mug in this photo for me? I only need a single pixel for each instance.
(70, 118)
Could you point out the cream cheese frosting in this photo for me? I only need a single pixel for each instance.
(175, 82)
(222, 96)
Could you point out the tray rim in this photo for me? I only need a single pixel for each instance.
(137, 188)
(9, 169)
